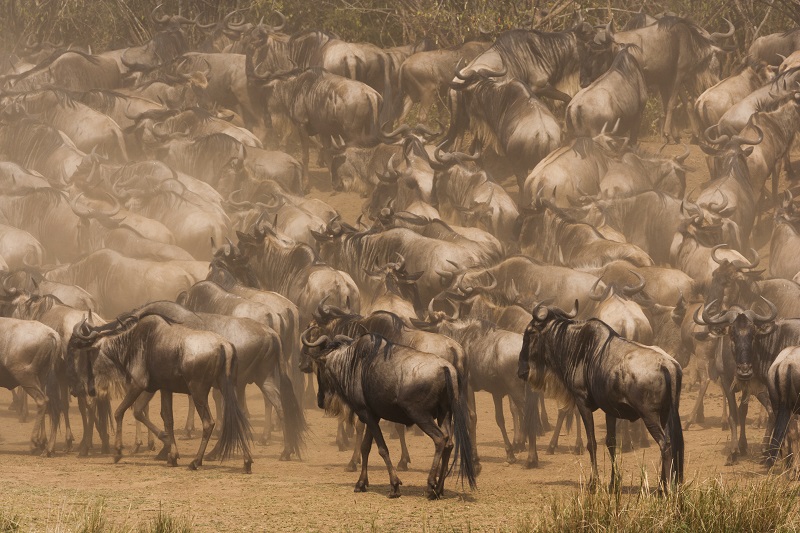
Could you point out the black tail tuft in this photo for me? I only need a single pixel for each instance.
(235, 435)
(531, 421)
(463, 443)
(294, 420)
(674, 424)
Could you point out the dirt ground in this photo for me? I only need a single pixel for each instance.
(316, 494)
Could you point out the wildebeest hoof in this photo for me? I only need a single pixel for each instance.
(627, 448)
(360, 487)
(213, 455)
(118, 456)
(47, 453)
(264, 440)
(285, 456)
(431, 494)
(743, 450)
(172, 461)
(731, 460)
(578, 450)
(163, 454)
(188, 433)
(248, 467)
(402, 465)
(151, 445)
(68, 447)
(194, 465)
(395, 491)
(83, 451)
(351, 467)
(136, 447)
(343, 445)
(511, 459)
(551, 450)
(532, 463)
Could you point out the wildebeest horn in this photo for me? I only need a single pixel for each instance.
(630, 290)
(715, 140)
(738, 139)
(680, 159)
(707, 320)
(593, 294)
(401, 261)
(762, 319)
(80, 211)
(155, 18)
(281, 24)
(402, 129)
(716, 259)
(319, 342)
(740, 265)
(731, 29)
(717, 208)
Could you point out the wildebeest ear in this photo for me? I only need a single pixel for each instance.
(747, 151)
(414, 276)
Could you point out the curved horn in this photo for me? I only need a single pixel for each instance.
(769, 317)
(707, 320)
(80, 211)
(715, 140)
(281, 24)
(716, 259)
(740, 265)
(155, 18)
(680, 159)
(572, 314)
(599, 297)
(741, 140)
(731, 29)
(630, 290)
(319, 342)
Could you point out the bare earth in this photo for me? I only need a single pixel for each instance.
(316, 494)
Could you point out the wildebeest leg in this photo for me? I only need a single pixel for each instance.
(102, 418)
(591, 444)
(341, 437)
(744, 405)
(69, 438)
(375, 428)
(669, 108)
(357, 446)
(578, 440)
(766, 405)
(405, 458)
(733, 412)
(87, 417)
(22, 410)
(781, 427)
(141, 408)
(516, 419)
(217, 395)
(544, 422)
(188, 428)
(611, 444)
(366, 445)
(269, 391)
(440, 441)
(201, 402)
(627, 440)
(501, 423)
(694, 416)
(562, 414)
(38, 435)
(654, 426)
(169, 428)
(131, 395)
(447, 429)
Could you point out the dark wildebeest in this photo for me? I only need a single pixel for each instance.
(377, 379)
(756, 342)
(783, 378)
(258, 352)
(157, 355)
(589, 365)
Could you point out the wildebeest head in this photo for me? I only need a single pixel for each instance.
(315, 351)
(83, 349)
(598, 54)
(742, 326)
(534, 354)
(733, 282)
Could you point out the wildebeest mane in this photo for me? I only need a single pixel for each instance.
(546, 51)
(49, 60)
(625, 63)
(32, 141)
(101, 100)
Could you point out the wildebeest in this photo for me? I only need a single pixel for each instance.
(29, 353)
(618, 95)
(783, 378)
(589, 365)
(378, 379)
(784, 262)
(158, 355)
(772, 48)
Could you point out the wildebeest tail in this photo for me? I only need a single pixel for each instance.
(530, 414)
(388, 107)
(294, 420)
(235, 435)
(674, 422)
(55, 397)
(463, 443)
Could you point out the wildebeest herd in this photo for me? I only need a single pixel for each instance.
(149, 241)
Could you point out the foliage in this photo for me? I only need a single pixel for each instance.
(108, 24)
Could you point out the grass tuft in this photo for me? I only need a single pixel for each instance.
(766, 504)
